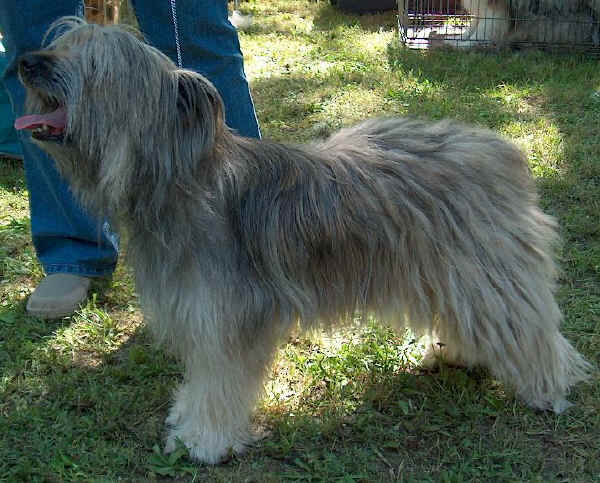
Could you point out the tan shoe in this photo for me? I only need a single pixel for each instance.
(58, 295)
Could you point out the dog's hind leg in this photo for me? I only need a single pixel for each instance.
(212, 409)
(535, 358)
(511, 325)
(533, 355)
(538, 362)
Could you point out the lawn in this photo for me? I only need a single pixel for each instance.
(84, 398)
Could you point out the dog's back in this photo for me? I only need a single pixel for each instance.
(381, 218)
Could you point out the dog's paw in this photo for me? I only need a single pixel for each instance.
(557, 405)
(430, 360)
(204, 448)
(207, 447)
(438, 354)
(561, 405)
(174, 417)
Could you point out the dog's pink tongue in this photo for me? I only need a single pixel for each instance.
(56, 119)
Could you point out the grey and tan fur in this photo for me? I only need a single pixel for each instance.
(233, 240)
(528, 23)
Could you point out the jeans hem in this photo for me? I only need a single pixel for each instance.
(79, 270)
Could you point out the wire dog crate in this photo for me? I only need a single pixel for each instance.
(555, 25)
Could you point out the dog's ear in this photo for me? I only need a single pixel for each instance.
(199, 107)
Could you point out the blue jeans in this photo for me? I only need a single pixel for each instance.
(195, 34)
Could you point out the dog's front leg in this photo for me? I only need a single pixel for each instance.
(212, 409)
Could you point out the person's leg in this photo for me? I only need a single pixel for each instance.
(197, 35)
(66, 239)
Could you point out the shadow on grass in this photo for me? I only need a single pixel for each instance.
(547, 82)
(328, 18)
(447, 84)
(302, 98)
(453, 422)
(68, 412)
(11, 174)
(102, 419)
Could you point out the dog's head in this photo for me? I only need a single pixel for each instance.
(112, 109)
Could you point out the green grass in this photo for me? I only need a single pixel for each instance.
(84, 398)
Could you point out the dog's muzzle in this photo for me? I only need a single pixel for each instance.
(34, 71)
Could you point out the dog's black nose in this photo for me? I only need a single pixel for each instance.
(29, 62)
(32, 64)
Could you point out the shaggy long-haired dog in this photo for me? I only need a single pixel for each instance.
(233, 240)
(549, 23)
